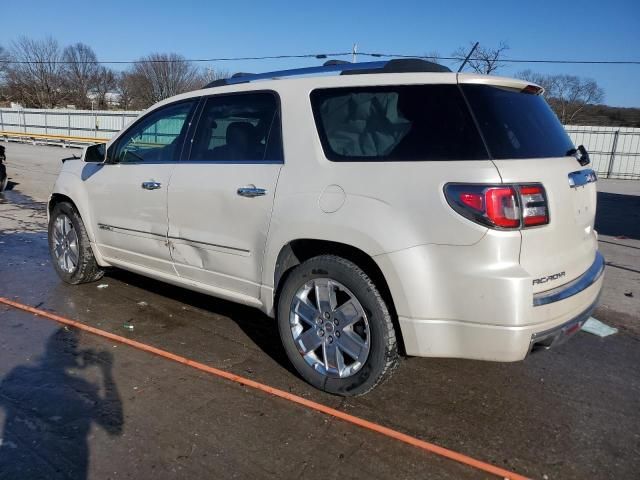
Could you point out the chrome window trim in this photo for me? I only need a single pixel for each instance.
(582, 177)
(584, 281)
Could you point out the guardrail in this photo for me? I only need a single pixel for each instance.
(61, 140)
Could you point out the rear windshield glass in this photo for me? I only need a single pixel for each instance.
(517, 125)
(396, 123)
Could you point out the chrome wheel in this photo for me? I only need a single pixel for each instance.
(330, 328)
(65, 244)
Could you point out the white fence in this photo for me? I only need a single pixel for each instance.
(70, 123)
(614, 151)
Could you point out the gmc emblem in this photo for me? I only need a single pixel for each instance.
(550, 278)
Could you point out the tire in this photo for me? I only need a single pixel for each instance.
(64, 248)
(316, 338)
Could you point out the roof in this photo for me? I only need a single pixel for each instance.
(405, 65)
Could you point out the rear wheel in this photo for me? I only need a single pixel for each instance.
(335, 326)
(70, 247)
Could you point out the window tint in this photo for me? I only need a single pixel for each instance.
(396, 123)
(238, 128)
(157, 137)
(515, 124)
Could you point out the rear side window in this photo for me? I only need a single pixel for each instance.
(396, 123)
(238, 128)
(515, 124)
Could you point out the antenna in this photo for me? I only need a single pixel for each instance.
(468, 56)
(354, 53)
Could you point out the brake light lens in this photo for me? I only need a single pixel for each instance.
(506, 207)
(534, 205)
(502, 207)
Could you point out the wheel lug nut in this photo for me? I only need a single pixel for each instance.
(330, 339)
(318, 321)
(326, 315)
(337, 334)
(321, 332)
(335, 322)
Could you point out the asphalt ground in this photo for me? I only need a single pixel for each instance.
(73, 405)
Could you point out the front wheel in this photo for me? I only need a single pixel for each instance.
(335, 327)
(70, 247)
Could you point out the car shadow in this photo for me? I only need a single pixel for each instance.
(261, 329)
(618, 215)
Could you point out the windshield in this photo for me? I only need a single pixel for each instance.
(515, 124)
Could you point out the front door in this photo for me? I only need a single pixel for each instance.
(221, 196)
(128, 194)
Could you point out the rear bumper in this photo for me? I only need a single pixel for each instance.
(556, 315)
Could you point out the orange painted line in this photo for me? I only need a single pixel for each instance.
(388, 432)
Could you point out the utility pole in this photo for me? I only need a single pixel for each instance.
(354, 53)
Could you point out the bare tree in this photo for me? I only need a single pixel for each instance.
(36, 76)
(568, 95)
(485, 60)
(211, 74)
(160, 75)
(81, 72)
(432, 56)
(106, 83)
(125, 88)
(4, 59)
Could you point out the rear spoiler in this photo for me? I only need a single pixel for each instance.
(501, 82)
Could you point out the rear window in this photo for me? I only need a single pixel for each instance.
(396, 123)
(515, 124)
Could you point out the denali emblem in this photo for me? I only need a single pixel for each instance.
(550, 278)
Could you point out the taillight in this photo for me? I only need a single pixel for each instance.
(500, 206)
(534, 205)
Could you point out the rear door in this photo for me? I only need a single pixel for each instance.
(529, 145)
(221, 196)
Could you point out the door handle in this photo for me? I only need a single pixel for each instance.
(151, 185)
(251, 191)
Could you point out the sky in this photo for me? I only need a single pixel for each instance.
(127, 30)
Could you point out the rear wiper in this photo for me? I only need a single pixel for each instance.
(581, 155)
(571, 152)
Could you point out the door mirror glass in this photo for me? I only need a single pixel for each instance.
(96, 153)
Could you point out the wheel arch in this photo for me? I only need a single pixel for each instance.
(58, 197)
(297, 251)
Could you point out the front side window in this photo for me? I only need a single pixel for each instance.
(157, 137)
(396, 123)
(238, 128)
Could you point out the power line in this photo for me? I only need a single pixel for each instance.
(322, 56)
(507, 60)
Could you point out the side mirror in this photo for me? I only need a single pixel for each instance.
(96, 153)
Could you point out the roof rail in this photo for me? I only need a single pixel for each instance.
(402, 65)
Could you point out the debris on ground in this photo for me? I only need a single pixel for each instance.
(628, 294)
(143, 303)
(103, 285)
(128, 326)
(596, 327)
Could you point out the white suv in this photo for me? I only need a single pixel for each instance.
(395, 207)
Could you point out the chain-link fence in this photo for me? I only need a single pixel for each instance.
(614, 151)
